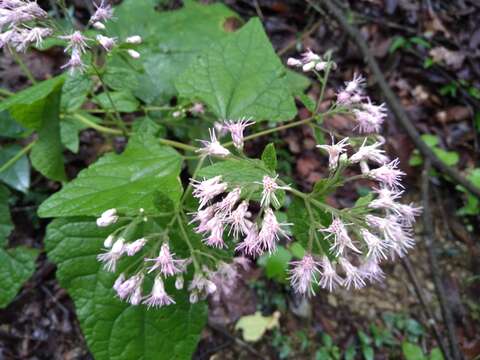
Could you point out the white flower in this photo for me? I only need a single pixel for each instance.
(159, 296)
(224, 207)
(126, 288)
(109, 241)
(371, 270)
(370, 153)
(107, 218)
(236, 129)
(111, 257)
(216, 227)
(388, 174)
(75, 63)
(36, 35)
(98, 25)
(334, 151)
(134, 39)
(251, 245)
(213, 147)
(133, 54)
(377, 247)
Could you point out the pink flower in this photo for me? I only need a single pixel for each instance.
(371, 270)
(213, 147)
(270, 232)
(356, 85)
(102, 13)
(341, 238)
(353, 275)
(376, 246)
(107, 42)
(111, 257)
(268, 193)
(36, 35)
(203, 216)
(197, 109)
(75, 63)
(367, 123)
(238, 220)
(134, 247)
(352, 93)
(216, 227)
(388, 174)
(158, 296)
(251, 245)
(303, 275)
(206, 190)
(399, 238)
(125, 289)
(224, 207)
(76, 41)
(329, 279)
(236, 129)
(166, 263)
(200, 285)
(334, 151)
(370, 153)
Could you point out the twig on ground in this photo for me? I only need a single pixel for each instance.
(431, 322)
(392, 100)
(434, 267)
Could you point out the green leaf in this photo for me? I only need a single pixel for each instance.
(9, 128)
(171, 41)
(246, 174)
(303, 225)
(29, 106)
(430, 140)
(450, 158)
(17, 264)
(126, 182)
(254, 326)
(398, 43)
(307, 102)
(18, 175)
(115, 330)
(298, 82)
(16, 267)
(6, 225)
(276, 264)
(69, 129)
(46, 155)
(412, 351)
(297, 250)
(269, 157)
(75, 91)
(120, 78)
(420, 41)
(123, 101)
(240, 76)
(436, 354)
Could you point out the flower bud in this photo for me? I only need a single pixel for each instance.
(109, 241)
(133, 54)
(98, 25)
(135, 39)
(179, 282)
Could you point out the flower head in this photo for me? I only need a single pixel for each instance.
(166, 262)
(224, 207)
(216, 227)
(134, 39)
(268, 193)
(107, 42)
(304, 274)
(206, 190)
(107, 218)
(342, 240)
(238, 220)
(134, 247)
(388, 174)
(353, 275)
(236, 129)
(213, 147)
(251, 245)
(102, 13)
(111, 257)
(158, 296)
(329, 279)
(334, 151)
(370, 153)
(270, 232)
(75, 63)
(76, 41)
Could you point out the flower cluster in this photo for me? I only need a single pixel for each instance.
(359, 240)
(217, 216)
(310, 61)
(19, 18)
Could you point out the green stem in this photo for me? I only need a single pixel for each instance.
(194, 176)
(324, 82)
(91, 124)
(6, 92)
(187, 240)
(17, 156)
(23, 67)
(117, 116)
(178, 145)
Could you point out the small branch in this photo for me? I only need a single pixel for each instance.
(431, 322)
(397, 109)
(91, 124)
(17, 157)
(434, 266)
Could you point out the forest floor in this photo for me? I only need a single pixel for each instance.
(429, 52)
